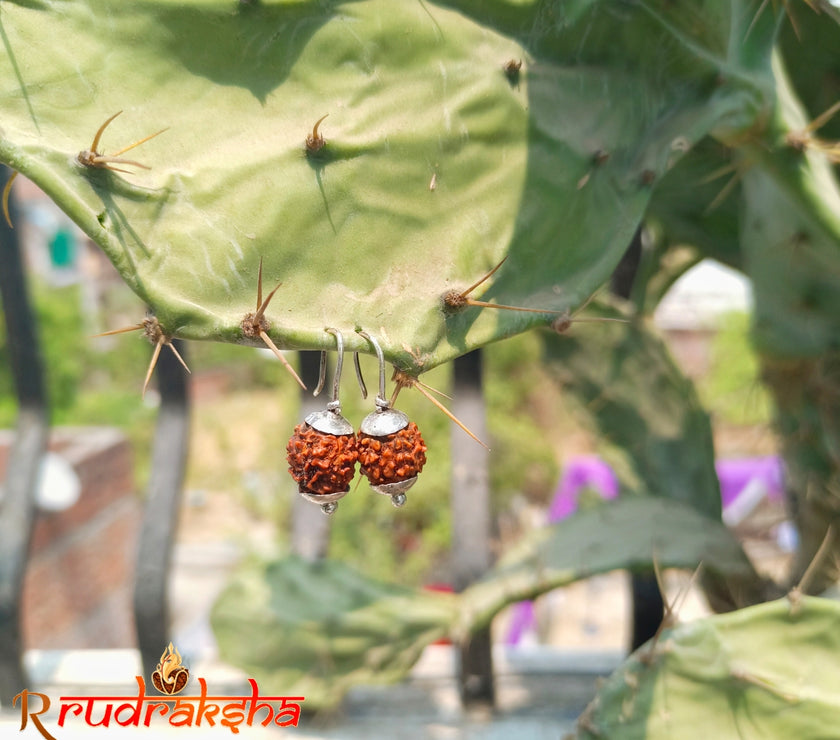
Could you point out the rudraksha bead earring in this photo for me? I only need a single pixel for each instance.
(322, 452)
(390, 448)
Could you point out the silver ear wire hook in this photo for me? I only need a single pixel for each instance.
(381, 401)
(359, 377)
(330, 421)
(385, 420)
(322, 373)
(322, 367)
(339, 365)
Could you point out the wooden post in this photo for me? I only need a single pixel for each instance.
(471, 521)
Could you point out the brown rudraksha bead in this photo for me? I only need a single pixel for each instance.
(321, 463)
(395, 457)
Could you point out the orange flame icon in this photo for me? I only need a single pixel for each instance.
(170, 676)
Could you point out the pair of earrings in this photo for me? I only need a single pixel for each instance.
(323, 451)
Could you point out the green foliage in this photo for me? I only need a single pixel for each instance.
(814, 68)
(807, 413)
(524, 416)
(60, 317)
(628, 533)
(773, 213)
(631, 390)
(698, 204)
(62, 342)
(316, 629)
(770, 671)
(732, 390)
(86, 384)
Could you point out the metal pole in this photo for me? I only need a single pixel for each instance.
(160, 519)
(648, 606)
(471, 521)
(17, 507)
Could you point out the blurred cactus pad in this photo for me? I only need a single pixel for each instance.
(442, 154)
(769, 671)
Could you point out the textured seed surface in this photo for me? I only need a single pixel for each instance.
(321, 463)
(394, 458)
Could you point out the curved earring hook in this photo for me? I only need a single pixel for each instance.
(322, 368)
(362, 386)
(330, 421)
(381, 401)
(339, 365)
(322, 373)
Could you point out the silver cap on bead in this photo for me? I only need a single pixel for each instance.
(383, 421)
(330, 421)
(396, 490)
(327, 501)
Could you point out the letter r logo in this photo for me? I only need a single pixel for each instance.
(26, 714)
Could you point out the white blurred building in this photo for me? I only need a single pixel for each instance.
(701, 297)
(693, 309)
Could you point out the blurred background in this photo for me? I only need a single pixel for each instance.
(238, 494)
(238, 497)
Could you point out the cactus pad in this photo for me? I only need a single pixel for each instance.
(440, 153)
(769, 671)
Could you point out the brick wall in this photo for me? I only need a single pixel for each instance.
(79, 579)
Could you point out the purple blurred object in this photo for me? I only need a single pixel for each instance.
(580, 473)
(735, 475)
(752, 476)
(522, 619)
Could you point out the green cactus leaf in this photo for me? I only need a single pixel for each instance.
(315, 629)
(795, 269)
(656, 434)
(437, 163)
(790, 222)
(628, 533)
(790, 234)
(811, 61)
(699, 204)
(643, 406)
(769, 671)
